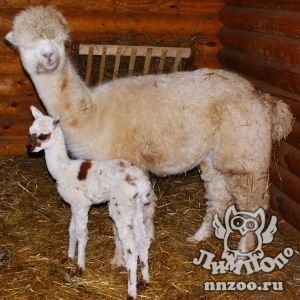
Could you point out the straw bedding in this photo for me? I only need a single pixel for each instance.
(34, 238)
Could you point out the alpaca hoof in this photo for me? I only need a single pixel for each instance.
(142, 285)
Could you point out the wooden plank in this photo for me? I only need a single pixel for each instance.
(141, 6)
(290, 5)
(177, 60)
(118, 53)
(162, 60)
(277, 22)
(12, 145)
(288, 157)
(285, 181)
(102, 64)
(14, 126)
(285, 228)
(16, 84)
(103, 22)
(279, 74)
(288, 209)
(89, 65)
(132, 61)
(140, 50)
(18, 106)
(147, 61)
(279, 48)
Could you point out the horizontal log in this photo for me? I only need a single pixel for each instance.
(278, 22)
(285, 181)
(98, 22)
(141, 6)
(285, 206)
(288, 157)
(18, 84)
(18, 106)
(12, 145)
(279, 48)
(294, 137)
(285, 228)
(279, 74)
(15, 126)
(289, 5)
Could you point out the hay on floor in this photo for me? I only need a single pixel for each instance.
(34, 238)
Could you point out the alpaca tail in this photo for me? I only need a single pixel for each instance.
(281, 117)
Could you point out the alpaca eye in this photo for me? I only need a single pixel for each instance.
(42, 137)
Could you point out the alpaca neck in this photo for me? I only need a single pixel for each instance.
(56, 156)
(62, 91)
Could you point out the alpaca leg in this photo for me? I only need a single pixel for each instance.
(218, 199)
(81, 219)
(250, 192)
(117, 261)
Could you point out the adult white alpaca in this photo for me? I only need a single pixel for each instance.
(166, 124)
(82, 183)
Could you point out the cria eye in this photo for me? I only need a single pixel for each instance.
(42, 137)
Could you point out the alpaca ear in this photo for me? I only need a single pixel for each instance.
(10, 38)
(56, 121)
(35, 112)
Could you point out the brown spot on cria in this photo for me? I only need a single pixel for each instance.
(143, 265)
(64, 84)
(142, 285)
(135, 196)
(118, 212)
(84, 168)
(32, 143)
(122, 164)
(116, 204)
(130, 180)
(129, 251)
(130, 226)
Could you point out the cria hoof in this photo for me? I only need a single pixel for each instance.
(78, 272)
(142, 285)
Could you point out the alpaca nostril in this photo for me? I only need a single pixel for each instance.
(48, 55)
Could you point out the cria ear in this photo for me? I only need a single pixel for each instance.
(35, 112)
(10, 38)
(56, 121)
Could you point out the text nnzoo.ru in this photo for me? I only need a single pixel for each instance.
(241, 286)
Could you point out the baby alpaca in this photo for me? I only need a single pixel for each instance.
(83, 183)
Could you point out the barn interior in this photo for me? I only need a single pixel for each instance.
(258, 39)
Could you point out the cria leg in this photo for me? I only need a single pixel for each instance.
(72, 239)
(250, 192)
(218, 199)
(148, 212)
(117, 261)
(80, 217)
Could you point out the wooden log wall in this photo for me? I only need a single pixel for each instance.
(261, 40)
(161, 21)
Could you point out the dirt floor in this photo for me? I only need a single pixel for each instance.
(34, 238)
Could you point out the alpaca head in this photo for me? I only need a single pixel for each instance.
(39, 33)
(42, 131)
